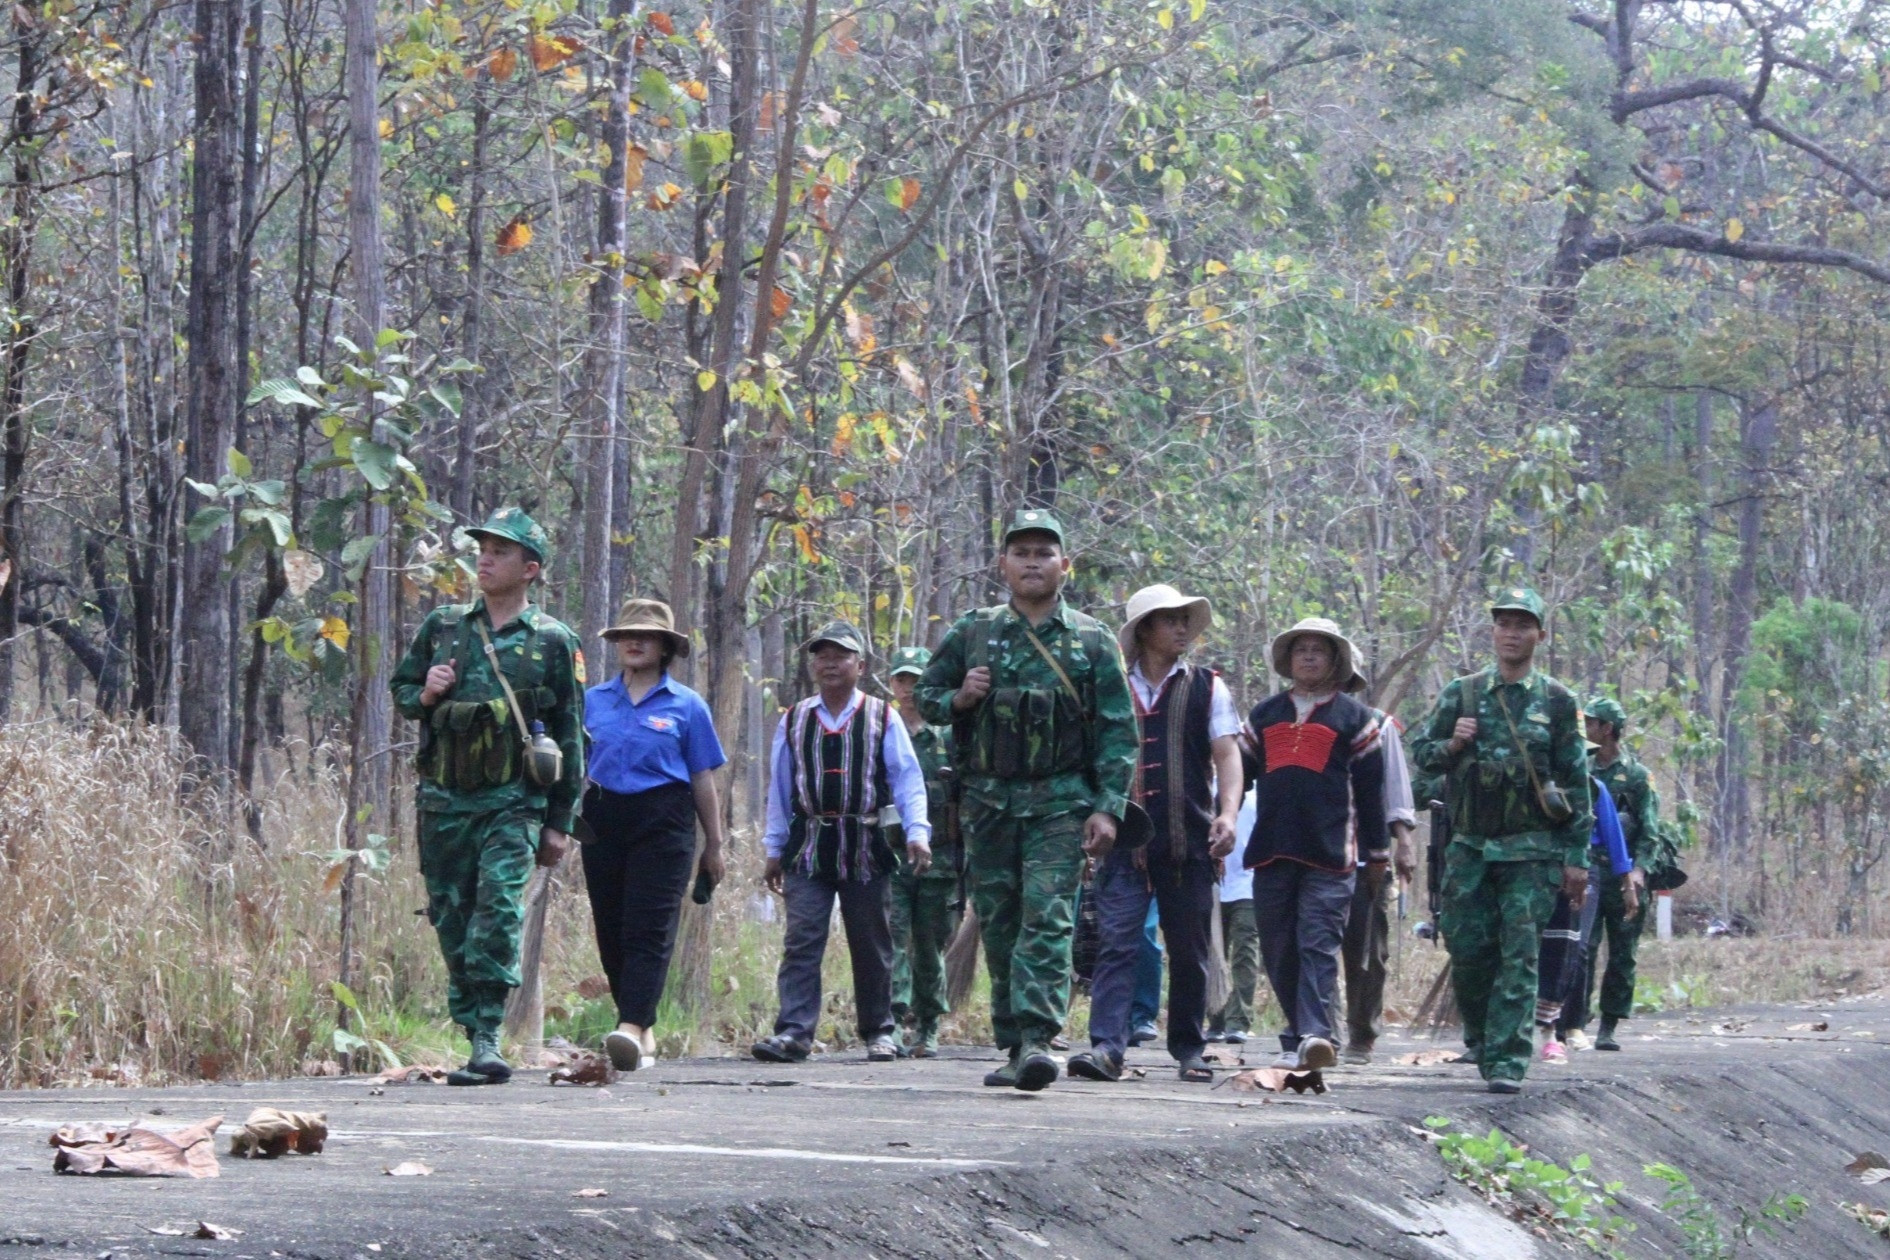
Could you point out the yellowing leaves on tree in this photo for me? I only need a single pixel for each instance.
(779, 303)
(804, 539)
(1166, 19)
(446, 205)
(845, 36)
(662, 198)
(908, 193)
(513, 237)
(843, 432)
(696, 90)
(502, 64)
(335, 630)
(1734, 229)
(387, 128)
(633, 158)
(551, 51)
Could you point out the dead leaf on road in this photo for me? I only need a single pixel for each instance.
(164, 1230)
(590, 1192)
(269, 1133)
(1428, 1058)
(408, 1168)
(416, 1074)
(1865, 1161)
(1871, 1218)
(221, 1233)
(1871, 1176)
(137, 1151)
(1227, 1058)
(1820, 1026)
(1273, 1080)
(585, 1068)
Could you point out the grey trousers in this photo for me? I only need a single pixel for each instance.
(1243, 959)
(1301, 915)
(869, 943)
(1367, 947)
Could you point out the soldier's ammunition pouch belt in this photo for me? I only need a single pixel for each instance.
(1498, 798)
(471, 745)
(1028, 733)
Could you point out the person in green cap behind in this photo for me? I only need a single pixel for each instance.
(925, 905)
(1638, 804)
(1508, 741)
(1045, 742)
(497, 688)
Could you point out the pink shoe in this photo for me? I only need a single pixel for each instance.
(1553, 1052)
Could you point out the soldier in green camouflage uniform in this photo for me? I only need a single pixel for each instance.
(482, 821)
(925, 907)
(1519, 830)
(1638, 804)
(1045, 743)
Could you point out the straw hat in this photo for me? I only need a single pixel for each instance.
(648, 616)
(1357, 682)
(1344, 653)
(1160, 598)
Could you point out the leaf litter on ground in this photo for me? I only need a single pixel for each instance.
(1428, 1058)
(1869, 1168)
(584, 1068)
(408, 1168)
(137, 1151)
(269, 1134)
(413, 1074)
(1270, 1080)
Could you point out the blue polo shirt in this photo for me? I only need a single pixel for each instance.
(667, 738)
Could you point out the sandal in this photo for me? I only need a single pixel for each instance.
(1095, 1065)
(1194, 1069)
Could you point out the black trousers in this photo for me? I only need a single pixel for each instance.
(637, 872)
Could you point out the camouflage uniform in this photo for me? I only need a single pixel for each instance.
(925, 908)
(1638, 804)
(1032, 766)
(1505, 859)
(479, 816)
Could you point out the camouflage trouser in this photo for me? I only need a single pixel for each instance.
(1024, 873)
(1624, 942)
(1492, 923)
(924, 911)
(476, 867)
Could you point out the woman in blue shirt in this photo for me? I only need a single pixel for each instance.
(652, 762)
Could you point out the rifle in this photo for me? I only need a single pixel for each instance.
(1434, 861)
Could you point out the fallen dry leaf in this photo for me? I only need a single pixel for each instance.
(1273, 1080)
(1428, 1058)
(584, 1068)
(415, 1074)
(1871, 1176)
(221, 1233)
(164, 1230)
(269, 1133)
(320, 1067)
(1865, 1161)
(408, 1168)
(590, 1192)
(137, 1151)
(1222, 1056)
(1869, 1217)
(1819, 1026)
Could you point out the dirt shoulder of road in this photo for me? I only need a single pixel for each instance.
(724, 1157)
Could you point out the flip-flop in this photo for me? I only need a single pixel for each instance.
(1195, 1069)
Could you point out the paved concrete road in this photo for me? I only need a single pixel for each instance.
(678, 1146)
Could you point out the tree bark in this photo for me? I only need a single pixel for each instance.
(16, 248)
(213, 381)
(1758, 435)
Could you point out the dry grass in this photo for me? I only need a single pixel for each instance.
(141, 946)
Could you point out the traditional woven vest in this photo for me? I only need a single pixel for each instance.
(1174, 774)
(839, 786)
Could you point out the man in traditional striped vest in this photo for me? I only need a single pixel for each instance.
(1189, 779)
(839, 758)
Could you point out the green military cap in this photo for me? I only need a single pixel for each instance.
(910, 660)
(1604, 709)
(1034, 521)
(1521, 599)
(842, 634)
(513, 525)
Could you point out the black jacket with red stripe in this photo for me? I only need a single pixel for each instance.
(1312, 779)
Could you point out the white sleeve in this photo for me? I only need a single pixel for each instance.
(1399, 806)
(1222, 717)
(774, 837)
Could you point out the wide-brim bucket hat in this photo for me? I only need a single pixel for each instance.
(1345, 653)
(1161, 598)
(647, 616)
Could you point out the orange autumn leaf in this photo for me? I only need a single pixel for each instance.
(696, 90)
(805, 540)
(845, 37)
(780, 303)
(513, 237)
(847, 499)
(551, 51)
(662, 198)
(661, 22)
(908, 193)
(770, 102)
(633, 159)
(502, 63)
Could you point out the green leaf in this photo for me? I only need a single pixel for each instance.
(375, 460)
(207, 521)
(653, 89)
(704, 152)
(310, 377)
(347, 1043)
(239, 463)
(1670, 205)
(328, 525)
(206, 490)
(387, 337)
(345, 996)
(448, 395)
(278, 523)
(355, 556)
(268, 493)
(284, 391)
